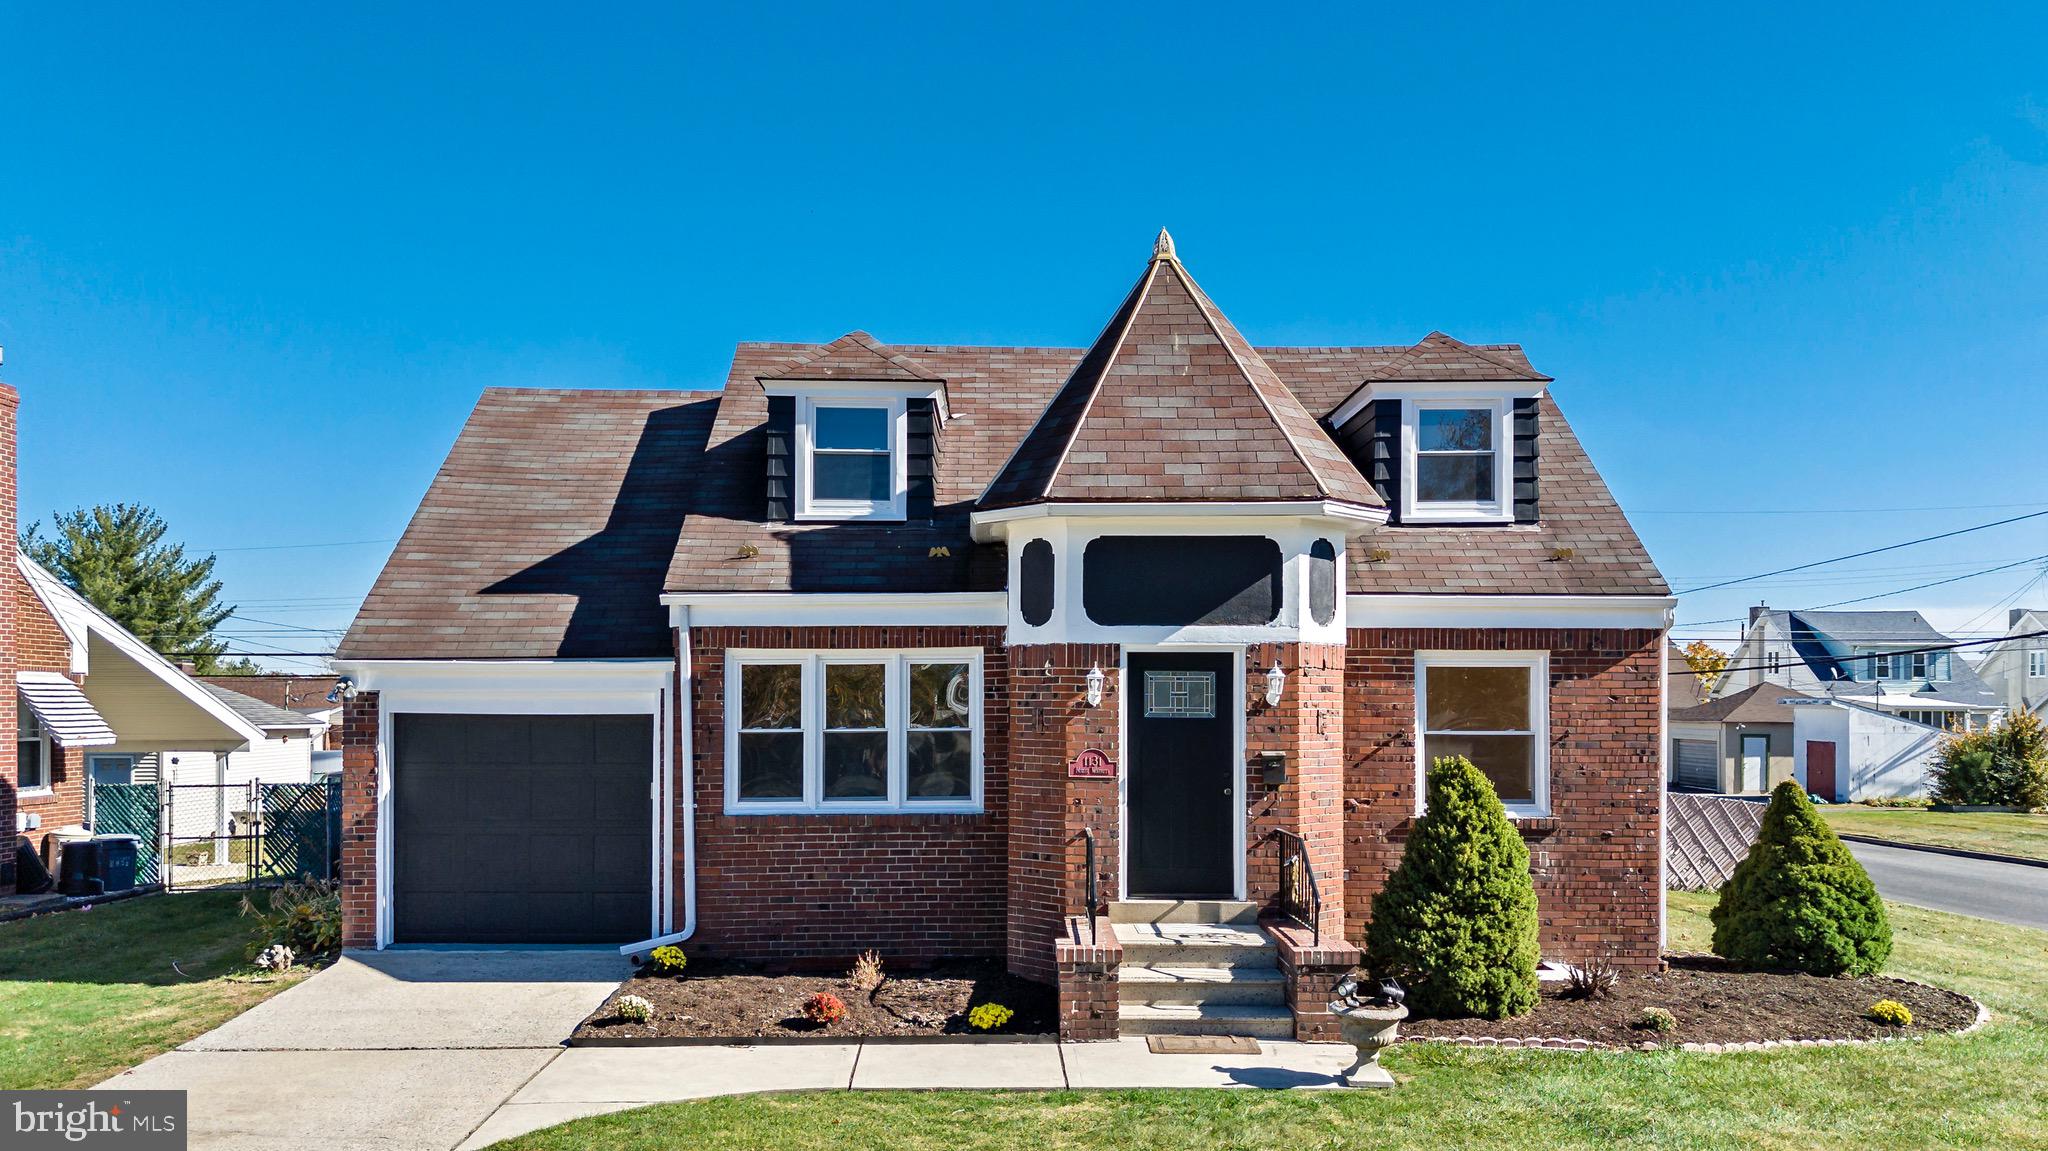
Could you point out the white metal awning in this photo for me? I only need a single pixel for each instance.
(62, 709)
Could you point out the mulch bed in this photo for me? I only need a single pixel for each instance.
(724, 999)
(1714, 1003)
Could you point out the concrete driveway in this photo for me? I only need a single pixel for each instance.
(395, 1049)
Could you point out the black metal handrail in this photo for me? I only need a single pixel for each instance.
(1300, 898)
(1088, 839)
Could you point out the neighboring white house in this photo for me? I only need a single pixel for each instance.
(1886, 660)
(2017, 669)
(1847, 752)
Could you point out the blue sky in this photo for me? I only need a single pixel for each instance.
(256, 262)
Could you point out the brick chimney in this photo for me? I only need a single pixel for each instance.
(2013, 617)
(1757, 611)
(10, 404)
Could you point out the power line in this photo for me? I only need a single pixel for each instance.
(1830, 511)
(299, 547)
(1861, 554)
(1899, 591)
(1892, 653)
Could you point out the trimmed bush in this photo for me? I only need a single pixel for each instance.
(989, 1016)
(1456, 923)
(1656, 1019)
(824, 1009)
(666, 960)
(1800, 901)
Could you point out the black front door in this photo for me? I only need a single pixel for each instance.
(1181, 708)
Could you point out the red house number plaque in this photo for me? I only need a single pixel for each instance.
(1092, 764)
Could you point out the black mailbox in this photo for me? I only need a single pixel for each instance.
(1272, 767)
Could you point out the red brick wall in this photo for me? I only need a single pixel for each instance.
(359, 822)
(1596, 859)
(1307, 726)
(1051, 722)
(10, 403)
(825, 887)
(41, 646)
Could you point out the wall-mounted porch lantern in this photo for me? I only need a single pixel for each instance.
(1095, 681)
(1276, 681)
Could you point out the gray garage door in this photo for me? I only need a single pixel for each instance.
(521, 829)
(1696, 764)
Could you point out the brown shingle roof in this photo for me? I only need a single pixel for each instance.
(560, 515)
(854, 356)
(1757, 704)
(546, 533)
(1172, 403)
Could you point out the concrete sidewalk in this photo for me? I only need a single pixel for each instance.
(592, 1080)
(431, 1050)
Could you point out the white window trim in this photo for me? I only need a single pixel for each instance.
(894, 508)
(2037, 664)
(1538, 663)
(42, 737)
(1414, 510)
(895, 698)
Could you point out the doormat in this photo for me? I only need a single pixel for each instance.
(1202, 1045)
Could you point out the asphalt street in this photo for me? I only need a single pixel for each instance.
(2008, 892)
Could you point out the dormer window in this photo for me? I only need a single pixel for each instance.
(850, 459)
(1457, 455)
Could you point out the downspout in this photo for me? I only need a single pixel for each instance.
(684, 764)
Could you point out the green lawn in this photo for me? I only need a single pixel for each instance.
(2002, 833)
(85, 994)
(1985, 1090)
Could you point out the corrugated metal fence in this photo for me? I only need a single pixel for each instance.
(1705, 836)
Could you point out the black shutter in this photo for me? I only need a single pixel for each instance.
(1524, 434)
(781, 467)
(923, 415)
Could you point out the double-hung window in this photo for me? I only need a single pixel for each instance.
(1492, 709)
(853, 732)
(850, 462)
(1457, 460)
(32, 753)
(2037, 664)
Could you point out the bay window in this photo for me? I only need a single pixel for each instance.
(1492, 709)
(853, 732)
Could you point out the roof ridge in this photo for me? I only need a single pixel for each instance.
(1209, 315)
(859, 338)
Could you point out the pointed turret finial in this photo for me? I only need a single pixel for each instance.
(1162, 248)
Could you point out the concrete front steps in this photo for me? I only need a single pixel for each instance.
(1198, 967)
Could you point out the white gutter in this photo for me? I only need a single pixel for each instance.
(682, 761)
(994, 524)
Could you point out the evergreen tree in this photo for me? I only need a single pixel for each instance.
(115, 556)
(1800, 901)
(1456, 922)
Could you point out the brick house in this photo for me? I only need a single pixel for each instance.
(1120, 663)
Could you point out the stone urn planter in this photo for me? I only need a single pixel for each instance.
(1371, 1025)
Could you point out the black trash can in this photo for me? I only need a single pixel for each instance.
(79, 870)
(117, 861)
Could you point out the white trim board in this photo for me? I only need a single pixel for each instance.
(1591, 611)
(991, 525)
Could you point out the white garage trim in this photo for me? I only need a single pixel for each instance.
(526, 687)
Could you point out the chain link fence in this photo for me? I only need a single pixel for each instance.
(207, 835)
